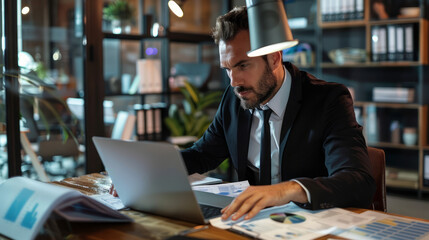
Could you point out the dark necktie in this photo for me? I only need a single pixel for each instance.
(265, 161)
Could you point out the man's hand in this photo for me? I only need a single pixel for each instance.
(113, 191)
(256, 198)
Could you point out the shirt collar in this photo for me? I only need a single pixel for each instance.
(277, 103)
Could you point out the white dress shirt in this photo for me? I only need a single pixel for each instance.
(278, 104)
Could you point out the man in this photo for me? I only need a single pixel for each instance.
(318, 154)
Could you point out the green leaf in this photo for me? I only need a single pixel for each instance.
(173, 111)
(209, 99)
(174, 126)
(193, 92)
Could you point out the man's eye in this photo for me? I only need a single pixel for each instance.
(242, 66)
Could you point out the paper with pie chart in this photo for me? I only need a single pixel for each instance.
(287, 218)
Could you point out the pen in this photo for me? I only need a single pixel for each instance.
(193, 230)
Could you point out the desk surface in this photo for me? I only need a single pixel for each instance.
(146, 226)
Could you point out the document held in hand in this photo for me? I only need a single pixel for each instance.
(26, 204)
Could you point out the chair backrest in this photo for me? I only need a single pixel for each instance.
(58, 147)
(378, 170)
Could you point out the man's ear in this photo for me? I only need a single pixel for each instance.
(275, 60)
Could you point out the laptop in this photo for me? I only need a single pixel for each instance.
(152, 177)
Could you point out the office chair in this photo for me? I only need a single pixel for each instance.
(49, 148)
(378, 171)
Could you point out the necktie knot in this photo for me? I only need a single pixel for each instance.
(267, 113)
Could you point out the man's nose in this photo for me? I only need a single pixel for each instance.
(235, 79)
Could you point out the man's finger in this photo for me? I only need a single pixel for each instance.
(256, 209)
(246, 206)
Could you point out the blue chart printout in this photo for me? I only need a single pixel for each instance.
(390, 228)
(24, 207)
(25, 204)
(17, 205)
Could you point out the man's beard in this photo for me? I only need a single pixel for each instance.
(266, 86)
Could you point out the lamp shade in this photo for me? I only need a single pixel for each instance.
(268, 27)
(176, 8)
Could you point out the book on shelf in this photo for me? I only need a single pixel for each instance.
(149, 72)
(26, 204)
(393, 94)
(402, 174)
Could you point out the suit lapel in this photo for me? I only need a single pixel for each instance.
(243, 136)
(292, 109)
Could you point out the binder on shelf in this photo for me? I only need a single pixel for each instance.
(375, 41)
(149, 72)
(159, 113)
(350, 9)
(410, 42)
(391, 43)
(342, 15)
(426, 171)
(382, 44)
(371, 124)
(359, 6)
(150, 121)
(400, 45)
(324, 10)
(336, 10)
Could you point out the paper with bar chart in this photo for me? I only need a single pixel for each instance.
(26, 204)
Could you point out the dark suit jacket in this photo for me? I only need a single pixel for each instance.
(322, 145)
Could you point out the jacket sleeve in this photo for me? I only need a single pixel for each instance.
(349, 182)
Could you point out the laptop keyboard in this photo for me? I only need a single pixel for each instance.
(210, 211)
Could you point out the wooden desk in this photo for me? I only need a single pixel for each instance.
(146, 226)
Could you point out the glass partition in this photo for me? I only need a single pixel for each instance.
(50, 58)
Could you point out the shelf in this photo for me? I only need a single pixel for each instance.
(395, 21)
(402, 184)
(388, 105)
(306, 29)
(141, 94)
(126, 36)
(172, 36)
(393, 145)
(372, 64)
(343, 24)
(189, 37)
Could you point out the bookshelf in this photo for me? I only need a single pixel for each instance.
(158, 35)
(407, 164)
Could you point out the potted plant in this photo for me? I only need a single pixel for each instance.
(192, 119)
(120, 13)
(189, 123)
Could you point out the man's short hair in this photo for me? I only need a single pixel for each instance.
(229, 24)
